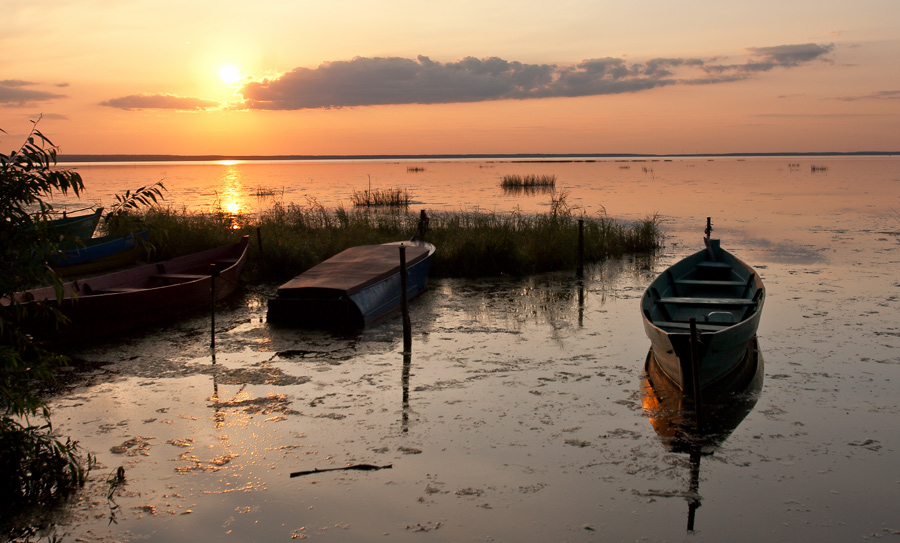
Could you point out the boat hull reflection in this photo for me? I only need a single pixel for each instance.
(683, 428)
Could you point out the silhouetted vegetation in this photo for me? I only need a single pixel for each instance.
(37, 468)
(380, 198)
(470, 244)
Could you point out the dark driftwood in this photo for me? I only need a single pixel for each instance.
(360, 467)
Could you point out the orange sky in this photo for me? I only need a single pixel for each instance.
(412, 77)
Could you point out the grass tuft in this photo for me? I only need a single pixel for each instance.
(528, 181)
(398, 198)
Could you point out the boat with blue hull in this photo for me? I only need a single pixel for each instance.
(717, 294)
(352, 288)
(96, 254)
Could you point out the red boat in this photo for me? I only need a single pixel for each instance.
(148, 294)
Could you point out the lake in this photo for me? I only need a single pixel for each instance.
(521, 413)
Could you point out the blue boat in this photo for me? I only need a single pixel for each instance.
(96, 254)
(352, 288)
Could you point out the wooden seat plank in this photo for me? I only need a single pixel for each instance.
(710, 283)
(740, 302)
(712, 264)
(703, 327)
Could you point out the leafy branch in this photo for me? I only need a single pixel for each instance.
(145, 196)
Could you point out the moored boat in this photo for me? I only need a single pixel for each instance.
(352, 288)
(148, 294)
(96, 254)
(724, 298)
(80, 226)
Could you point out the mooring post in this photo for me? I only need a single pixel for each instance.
(695, 367)
(213, 273)
(404, 303)
(259, 239)
(579, 270)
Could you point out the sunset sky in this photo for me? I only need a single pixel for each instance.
(423, 77)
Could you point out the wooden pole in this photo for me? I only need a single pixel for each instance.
(579, 271)
(404, 302)
(259, 240)
(213, 273)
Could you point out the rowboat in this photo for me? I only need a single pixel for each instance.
(81, 226)
(352, 288)
(152, 293)
(722, 296)
(96, 254)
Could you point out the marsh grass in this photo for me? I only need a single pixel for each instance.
(397, 198)
(528, 181)
(470, 244)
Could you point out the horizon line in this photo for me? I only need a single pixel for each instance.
(84, 157)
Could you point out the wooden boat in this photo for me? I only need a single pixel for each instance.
(148, 294)
(723, 296)
(697, 429)
(81, 226)
(96, 254)
(352, 288)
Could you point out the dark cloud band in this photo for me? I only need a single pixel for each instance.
(379, 81)
(393, 80)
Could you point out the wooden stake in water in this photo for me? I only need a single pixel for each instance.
(580, 268)
(404, 303)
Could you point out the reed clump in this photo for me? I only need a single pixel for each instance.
(398, 198)
(528, 181)
(470, 243)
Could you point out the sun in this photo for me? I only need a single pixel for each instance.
(229, 74)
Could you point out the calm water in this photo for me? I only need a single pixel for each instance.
(520, 414)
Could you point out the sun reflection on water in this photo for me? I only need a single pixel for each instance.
(232, 194)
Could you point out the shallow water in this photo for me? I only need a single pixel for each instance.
(518, 415)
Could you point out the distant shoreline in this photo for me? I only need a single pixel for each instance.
(513, 157)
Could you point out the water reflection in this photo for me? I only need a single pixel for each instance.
(231, 194)
(404, 418)
(557, 300)
(516, 190)
(683, 429)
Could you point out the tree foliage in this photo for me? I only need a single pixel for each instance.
(36, 467)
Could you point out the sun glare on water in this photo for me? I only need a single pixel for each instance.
(229, 74)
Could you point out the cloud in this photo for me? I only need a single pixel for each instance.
(379, 81)
(768, 58)
(880, 95)
(160, 101)
(15, 92)
(789, 55)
